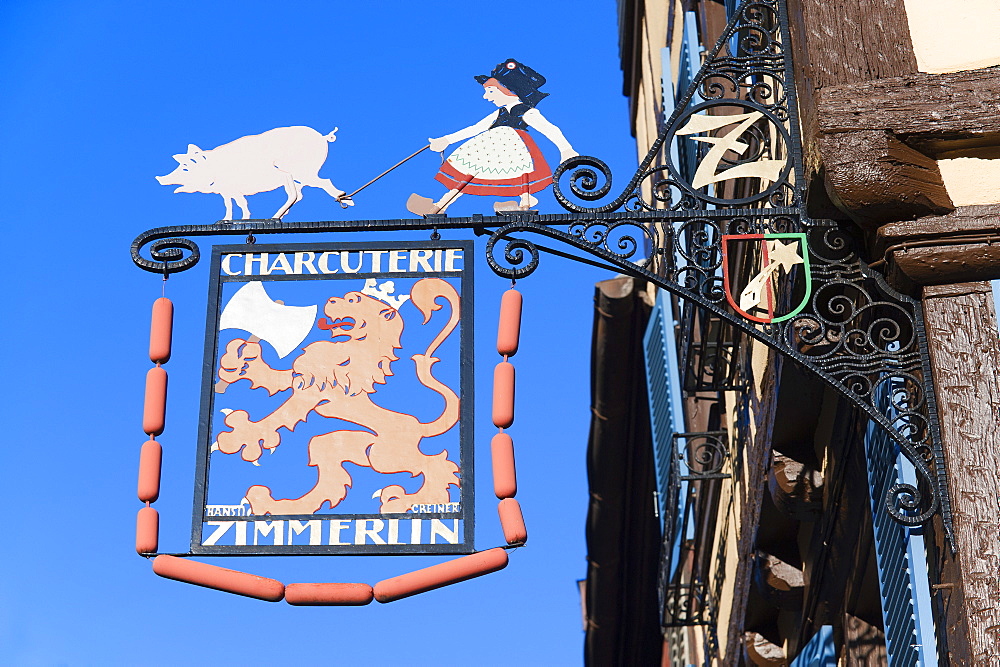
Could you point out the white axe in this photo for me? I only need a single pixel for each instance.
(252, 310)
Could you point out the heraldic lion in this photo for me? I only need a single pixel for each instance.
(336, 379)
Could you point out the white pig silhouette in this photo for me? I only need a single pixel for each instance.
(288, 157)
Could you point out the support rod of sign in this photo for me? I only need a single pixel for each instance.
(167, 245)
(404, 160)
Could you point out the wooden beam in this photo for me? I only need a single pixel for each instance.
(779, 583)
(964, 346)
(857, 76)
(965, 221)
(876, 178)
(928, 111)
(763, 653)
(841, 51)
(796, 489)
(963, 246)
(850, 40)
(712, 16)
(828, 49)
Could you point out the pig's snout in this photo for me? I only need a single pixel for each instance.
(176, 177)
(173, 178)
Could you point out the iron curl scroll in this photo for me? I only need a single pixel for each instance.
(621, 242)
(166, 245)
(169, 255)
(749, 70)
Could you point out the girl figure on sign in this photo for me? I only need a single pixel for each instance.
(499, 158)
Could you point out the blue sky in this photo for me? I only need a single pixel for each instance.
(97, 97)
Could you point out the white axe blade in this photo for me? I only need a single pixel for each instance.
(284, 327)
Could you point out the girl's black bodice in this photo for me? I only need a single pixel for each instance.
(512, 118)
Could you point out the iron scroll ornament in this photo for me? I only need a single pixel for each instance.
(666, 226)
(856, 333)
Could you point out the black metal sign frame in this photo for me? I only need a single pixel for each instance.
(404, 530)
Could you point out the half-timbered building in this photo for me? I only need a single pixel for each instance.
(738, 510)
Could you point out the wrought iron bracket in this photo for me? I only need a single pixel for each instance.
(667, 226)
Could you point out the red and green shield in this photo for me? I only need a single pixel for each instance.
(766, 276)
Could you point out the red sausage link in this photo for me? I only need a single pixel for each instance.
(512, 521)
(509, 331)
(219, 578)
(328, 594)
(503, 395)
(149, 471)
(155, 408)
(504, 472)
(147, 531)
(443, 574)
(160, 328)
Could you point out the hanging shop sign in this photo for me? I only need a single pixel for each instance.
(336, 411)
(337, 390)
(337, 400)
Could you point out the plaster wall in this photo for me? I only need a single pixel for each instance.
(951, 37)
(971, 181)
(955, 35)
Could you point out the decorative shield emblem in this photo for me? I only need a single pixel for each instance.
(766, 276)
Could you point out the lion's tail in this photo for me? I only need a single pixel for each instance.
(424, 295)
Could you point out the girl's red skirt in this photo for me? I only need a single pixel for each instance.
(539, 178)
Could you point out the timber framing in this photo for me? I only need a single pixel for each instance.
(876, 178)
(961, 247)
(964, 355)
(830, 47)
(873, 129)
(873, 125)
(936, 114)
(850, 40)
(879, 140)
